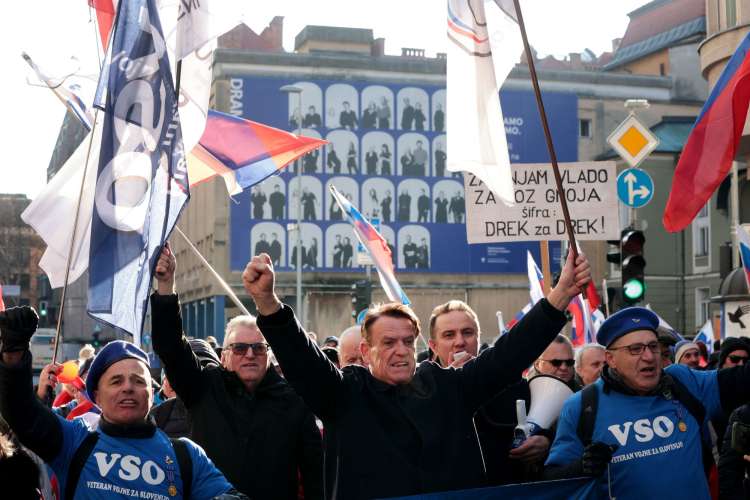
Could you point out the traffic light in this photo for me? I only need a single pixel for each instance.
(633, 266)
(95, 340)
(43, 308)
(361, 296)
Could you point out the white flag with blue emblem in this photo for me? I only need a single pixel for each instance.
(142, 183)
(484, 43)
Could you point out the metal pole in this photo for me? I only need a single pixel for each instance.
(735, 208)
(291, 89)
(300, 303)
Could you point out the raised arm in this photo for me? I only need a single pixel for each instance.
(312, 375)
(34, 424)
(183, 368)
(502, 364)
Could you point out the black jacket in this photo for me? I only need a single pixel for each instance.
(172, 417)
(384, 440)
(259, 440)
(733, 469)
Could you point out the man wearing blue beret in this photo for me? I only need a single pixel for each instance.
(127, 455)
(639, 418)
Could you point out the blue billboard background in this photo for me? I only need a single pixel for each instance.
(381, 150)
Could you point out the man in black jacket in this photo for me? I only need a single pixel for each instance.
(247, 418)
(394, 429)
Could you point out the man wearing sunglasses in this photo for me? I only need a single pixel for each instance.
(557, 360)
(248, 419)
(395, 429)
(638, 418)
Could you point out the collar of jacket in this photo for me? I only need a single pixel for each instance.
(416, 387)
(270, 383)
(613, 381)
(139, 430)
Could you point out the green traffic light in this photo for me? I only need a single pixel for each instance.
(633, 289)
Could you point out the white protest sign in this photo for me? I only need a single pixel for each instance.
(590, 189)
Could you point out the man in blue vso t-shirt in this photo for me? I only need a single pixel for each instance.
(127, 456)
(638, 420)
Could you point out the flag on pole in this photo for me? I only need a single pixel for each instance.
(536, 279)
(484, 43)
(536, 288)
(743, 240)
(71, 90)
(376, 246)
(142, 182)
(706, 335)
(243, 152)
(52, 212)
(712, 144)
(105, 16)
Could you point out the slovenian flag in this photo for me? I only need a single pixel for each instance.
(743, 240)
(376, 246)
(712, 144)
(243, 152)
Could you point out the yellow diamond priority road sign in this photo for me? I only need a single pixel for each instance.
(632, 141)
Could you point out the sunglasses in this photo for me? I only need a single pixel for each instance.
(557, 363)
(241, 348)
(737, 359)
(637, 349)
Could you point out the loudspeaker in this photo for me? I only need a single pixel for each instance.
(548, 394)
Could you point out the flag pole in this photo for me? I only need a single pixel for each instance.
(547, 134)
(213, 272)
(61, 314)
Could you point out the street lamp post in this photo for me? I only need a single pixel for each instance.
(291, 89)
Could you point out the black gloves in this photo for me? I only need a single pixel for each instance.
(17, 325)
(595, 458)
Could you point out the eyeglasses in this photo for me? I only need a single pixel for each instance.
(240, 348)
(737, 359)
(637, 349)
(557, 363)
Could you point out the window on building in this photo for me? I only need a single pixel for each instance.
(662, 69)
(584, 127)
(702, 240)
(702, 302)
(731, 12)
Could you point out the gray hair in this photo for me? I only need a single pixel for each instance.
(583, 349)
(247, 320)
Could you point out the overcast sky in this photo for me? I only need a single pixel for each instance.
(54, 30)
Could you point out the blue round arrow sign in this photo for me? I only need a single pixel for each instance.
(635, 188)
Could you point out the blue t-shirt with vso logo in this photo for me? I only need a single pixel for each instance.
(658, 441)
(134, 468)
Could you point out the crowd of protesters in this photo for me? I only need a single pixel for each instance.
(271, 414)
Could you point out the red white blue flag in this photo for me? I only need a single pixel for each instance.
(376, 246)
(712, 144)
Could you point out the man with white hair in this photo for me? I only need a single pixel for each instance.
(589, 362)
(249, 420)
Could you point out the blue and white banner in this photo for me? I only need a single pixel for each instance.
(142, 182)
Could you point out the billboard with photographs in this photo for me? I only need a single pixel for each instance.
(386, 153)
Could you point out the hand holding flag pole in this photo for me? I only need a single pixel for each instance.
(547, 133)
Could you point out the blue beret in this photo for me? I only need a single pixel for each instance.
(115, 351)
(626, 321)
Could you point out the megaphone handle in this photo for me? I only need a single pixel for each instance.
(521, 412)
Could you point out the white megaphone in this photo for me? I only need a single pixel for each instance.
(548, 394)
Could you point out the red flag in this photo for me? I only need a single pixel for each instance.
(105, 15)
(593, 296)
(712, 144)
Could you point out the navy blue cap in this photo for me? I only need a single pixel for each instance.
(115, 351)
(626, 321)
